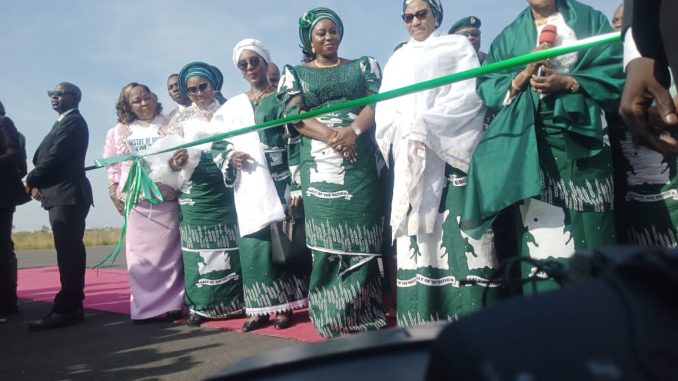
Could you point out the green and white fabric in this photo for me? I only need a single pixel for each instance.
(341, 202)
(443, 276)
(208, 224)
(552, 148)
(645, 183)
(431, 136)
(261, 191)
(649, 194)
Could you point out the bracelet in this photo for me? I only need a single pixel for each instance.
(333, 137)
(514, 86)
(355, 129)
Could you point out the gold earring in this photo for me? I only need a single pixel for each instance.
(313, 49)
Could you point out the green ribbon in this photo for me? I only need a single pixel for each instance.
(395, 93)
(139, 182)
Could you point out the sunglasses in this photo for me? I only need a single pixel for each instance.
(52, 94)
(254, 61)
(420, 15)
(201, 87)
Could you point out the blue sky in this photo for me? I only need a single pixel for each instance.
(103, 45)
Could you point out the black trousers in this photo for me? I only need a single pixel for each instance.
(669, 32)
(68, 229)
(8, 266)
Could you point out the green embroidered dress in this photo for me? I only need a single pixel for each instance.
(442, 273)
(208, 225)
(268, 287)
(648, 192)
(341, 202)
(550, 151)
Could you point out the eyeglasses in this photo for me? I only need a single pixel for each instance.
(475, 33)
(201, 87)
(57, 93)
(420, 15)
(254, 61)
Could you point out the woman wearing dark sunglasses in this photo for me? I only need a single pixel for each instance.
(209, 229)
(337, 163)
(431, 135)
(257, 169)
(152, 245)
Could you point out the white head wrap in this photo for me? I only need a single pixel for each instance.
(253, 45)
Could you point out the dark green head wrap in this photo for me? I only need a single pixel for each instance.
(200, 69)
(436, 9)
(310, 19)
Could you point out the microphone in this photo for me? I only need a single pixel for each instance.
(548, 35)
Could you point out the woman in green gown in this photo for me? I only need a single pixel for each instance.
(547, 149)
(338, 177)
(208, 225)
(255, 165)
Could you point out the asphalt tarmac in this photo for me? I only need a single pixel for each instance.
(108, 346)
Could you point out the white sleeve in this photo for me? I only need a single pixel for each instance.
(630, 49)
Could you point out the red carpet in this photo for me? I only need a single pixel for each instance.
(108, 290)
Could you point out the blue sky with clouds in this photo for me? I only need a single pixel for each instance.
(103, 45)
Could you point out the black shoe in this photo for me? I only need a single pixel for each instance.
(194, 320)
(56, 320)
(174, 315)
(282, 320)
(251, 325)
(5, 312)
(168, 317)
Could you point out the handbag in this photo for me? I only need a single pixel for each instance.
(288, 239)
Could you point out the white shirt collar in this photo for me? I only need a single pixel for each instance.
(63, 115)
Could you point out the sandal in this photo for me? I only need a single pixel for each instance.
(251, 325)
(282, 320)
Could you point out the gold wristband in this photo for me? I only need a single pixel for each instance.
(333, 137)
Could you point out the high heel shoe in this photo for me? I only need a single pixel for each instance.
(282, 320)
(194, 320)
(251, 325)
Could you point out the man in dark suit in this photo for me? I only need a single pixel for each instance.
(654, 43)
(12, 193)
(58, 180)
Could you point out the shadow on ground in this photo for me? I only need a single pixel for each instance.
(110, 347)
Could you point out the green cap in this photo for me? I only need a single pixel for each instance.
(470, 21)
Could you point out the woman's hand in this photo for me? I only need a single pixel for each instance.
(551, 82)
(36, 194)
(239, 159)
(344, 143)
(531, 69)
(118, 203)
(179, 159)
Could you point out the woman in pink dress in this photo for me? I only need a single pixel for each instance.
(152, 246)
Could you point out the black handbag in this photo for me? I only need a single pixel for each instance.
(288, 240)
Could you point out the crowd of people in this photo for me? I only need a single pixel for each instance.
(437, 187)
